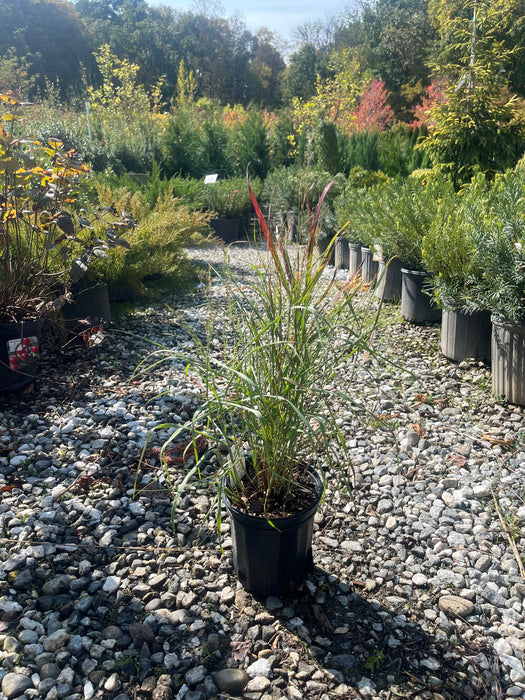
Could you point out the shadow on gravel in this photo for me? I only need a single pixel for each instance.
(375, 647)
(140, 609)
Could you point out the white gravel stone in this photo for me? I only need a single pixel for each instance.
(111, 584)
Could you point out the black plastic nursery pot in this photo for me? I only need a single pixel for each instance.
(342, 254)
(90, 302)
(416, 305)
(354, 258)
(466, 335)
(322, 245)
(369, 266)
(273, 558)
(389, 280)
(229, 230)
(508, 360)
(19, 353)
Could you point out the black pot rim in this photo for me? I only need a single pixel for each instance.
(502, 323)
(260, 522)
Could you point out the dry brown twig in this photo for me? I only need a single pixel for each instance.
(505, 527)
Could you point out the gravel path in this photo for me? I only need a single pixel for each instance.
(418, 590)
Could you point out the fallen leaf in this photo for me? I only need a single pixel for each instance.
(458, 460)
(241, 649)
(141, 633)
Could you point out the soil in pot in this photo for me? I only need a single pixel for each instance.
(272, 557)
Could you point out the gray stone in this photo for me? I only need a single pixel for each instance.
(111, 584)
(231, 680)
(195, 675)
(258, 684)
(261, 667)
(56, 640)
(12, 645)
(49, 670)
(14, 685)
(273, 604)
(57, 584)
(343, 662)
(455, 606)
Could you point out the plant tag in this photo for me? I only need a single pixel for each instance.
(22, 351)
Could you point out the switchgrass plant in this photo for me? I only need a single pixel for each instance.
(268, 364)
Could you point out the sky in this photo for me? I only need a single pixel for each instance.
(280, 16)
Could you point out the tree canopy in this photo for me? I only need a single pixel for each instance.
(395, 42)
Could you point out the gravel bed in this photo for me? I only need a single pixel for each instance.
(418, 588)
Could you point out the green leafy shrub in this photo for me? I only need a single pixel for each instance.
(47, 226)
(352, 209)
(249, 146)
(118, 141)
(401, 212)
(157, 247)
(450, 250)
(499, 232)
(230, 198)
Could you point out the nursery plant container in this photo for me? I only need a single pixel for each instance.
(22, 339)
(342, 254)
(508, 360)
(389, 280)
(291, 226)
(90, 302)
(416, 305)
(229, 230)
(354, 258)
(369, 266)
(466, 335)
(322, 245)
(271, 558)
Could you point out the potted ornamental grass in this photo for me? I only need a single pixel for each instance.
(272, 352)
(46, 241)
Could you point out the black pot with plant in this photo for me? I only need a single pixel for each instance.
(451, 254)
(499, 288)
(267, 411)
